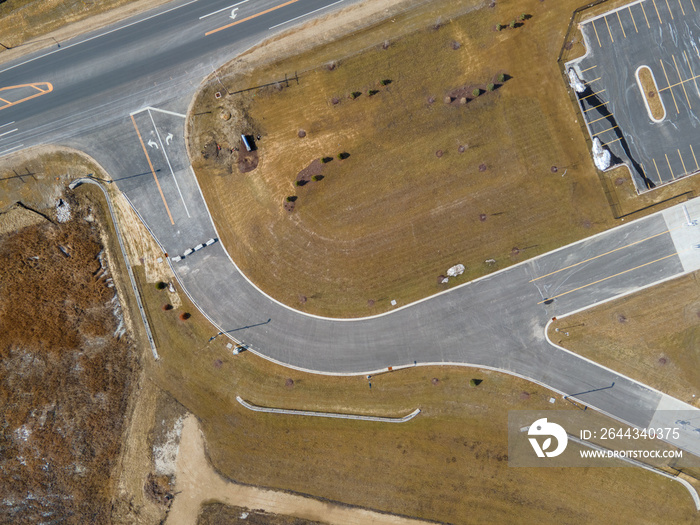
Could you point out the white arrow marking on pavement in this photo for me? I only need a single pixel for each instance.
(153, 144)
(233, 14)
(168, 139)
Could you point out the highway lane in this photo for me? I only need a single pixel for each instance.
(100, 90)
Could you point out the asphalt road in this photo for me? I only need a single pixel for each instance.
(101, 88)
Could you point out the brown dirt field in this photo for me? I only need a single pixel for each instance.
(651, 93)
(652, 336)
(217, 513)
(384, 223)
(67, 370)
(29, 25)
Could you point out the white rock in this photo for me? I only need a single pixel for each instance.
(456, 270)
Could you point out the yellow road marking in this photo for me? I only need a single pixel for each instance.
(601, 118)
(620, 20)
(609, 277)
(669, 167)
(603, 254)
(691, 79)
(683, 163)
(613, 141)
(41, 91)
(682, 10)
(657, 171)
(608, 26)
(693, 4)
(669, 85)
(588, 68)
(596, 34)
(696, 160)
(591, 81)
(692, 74)
(596, 93)
(632, 16)
(250, 17)
(657, 12)
(609, 129)
(645, 15)
(682, 81)
(152, 170)
(669, 9)
(594, 107)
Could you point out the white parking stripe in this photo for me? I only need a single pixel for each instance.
(3, 125)
(8, 132)
(224, 9)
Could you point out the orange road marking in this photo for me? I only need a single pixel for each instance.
(250, 17)
(682, 10)
(591, 81)
(588, 68)
(608, 26)
(669, 85)
(657, 12)
(152, 170)
(48, 89)
(669, 166)
(612, 141)
(596, 34)
(620, 20)
(645, 15)
(601, 118)
(596, 93)
(632, 16)
(609, 277)
(696, 160)
(683, 163)
(594, 107)
(682, 81)
(693, 4)
(603, 255)
(657, 171)
(609, 129)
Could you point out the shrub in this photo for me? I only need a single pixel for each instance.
(184, 316)
(491, 87)
(475, 382)
(523, 17)
(325, 160)
(476, 92)
(373, 92)
(167, 307)
(501, 78)
(317, 177)
(344, 155)
(355, 94)
(385, 82)
(499, 27)
(512, 24)
(291, 198)
(160, 285)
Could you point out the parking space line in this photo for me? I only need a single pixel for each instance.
(696, 160)
(657, 171)
(601, 118)
(594, 107)
(591, 81)
(669, 10)
(693, 4)
(596, 93)
(620, 20)
(608, 26)
(682, 10)
(682, 81)
(150, 164)
(632, 16)
(613, 141)
(609, 277)
(600, 132)
(588, 69)
(683, 163)
(645, 14)
(596, 34)
(669, 167)
(669, 85)
(657, 12)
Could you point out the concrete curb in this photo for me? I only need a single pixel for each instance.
(74, 184)
(379, 419)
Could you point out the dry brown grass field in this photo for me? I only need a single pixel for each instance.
(652, 336)
(429, 182)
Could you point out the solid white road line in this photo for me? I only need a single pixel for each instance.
(169, 166)
(11, 149)
(307, 14)
(223, 9)
(8, 132)
(3, 125)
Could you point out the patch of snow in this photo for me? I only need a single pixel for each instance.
(62, 211)
(456, 270)
(165, 454)
(601, 156)
(23, 432)
(575, 82)
(243, 515)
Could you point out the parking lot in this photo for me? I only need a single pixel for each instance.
(662, 35)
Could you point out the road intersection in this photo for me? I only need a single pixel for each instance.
(122, 98)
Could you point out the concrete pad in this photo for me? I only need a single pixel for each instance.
(685, 236)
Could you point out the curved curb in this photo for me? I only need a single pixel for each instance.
(74, 184)
(335, 415)
(644, 95)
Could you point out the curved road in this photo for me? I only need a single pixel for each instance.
(121, 94)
